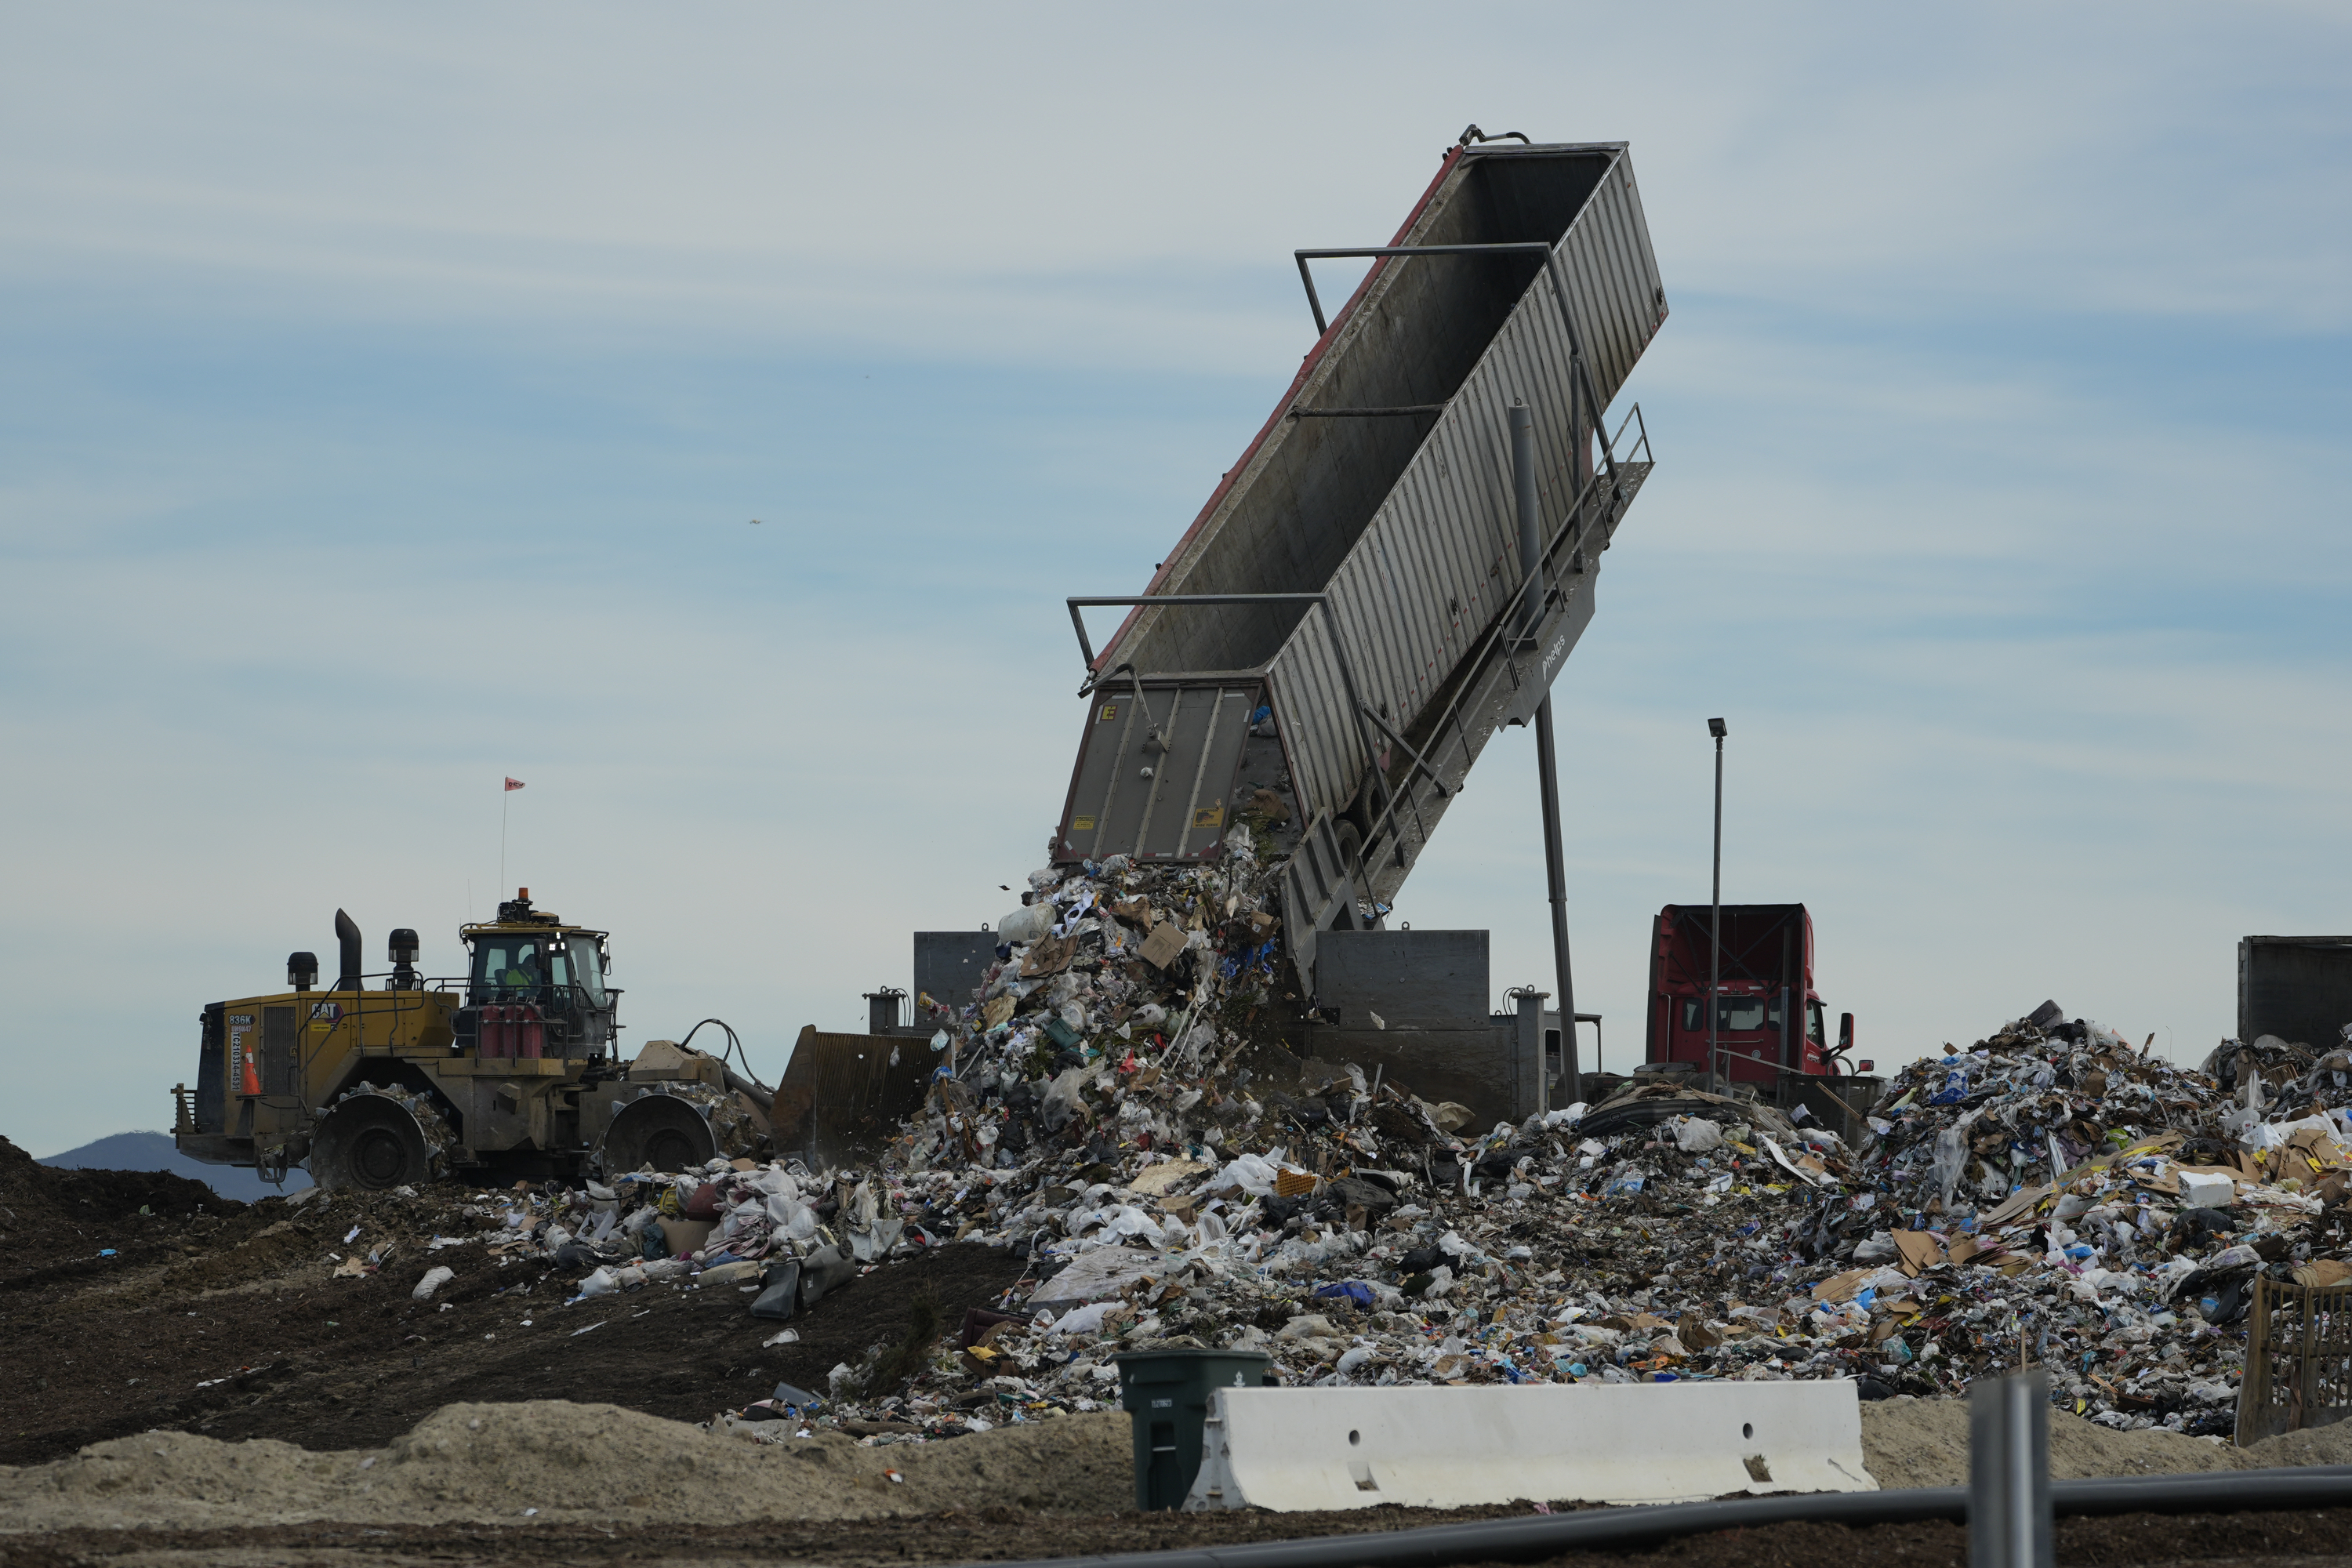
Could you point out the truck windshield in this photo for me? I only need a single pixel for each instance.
(1734, 1013)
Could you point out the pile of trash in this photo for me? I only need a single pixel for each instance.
(1113, 1104)
(2052, 1196)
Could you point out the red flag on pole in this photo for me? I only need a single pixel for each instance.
(514, 784)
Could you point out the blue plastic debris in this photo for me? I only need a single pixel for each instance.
(1354, 1290)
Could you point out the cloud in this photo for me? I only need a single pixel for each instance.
(383, 400)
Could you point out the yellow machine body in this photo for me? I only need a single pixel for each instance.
(509, 1069)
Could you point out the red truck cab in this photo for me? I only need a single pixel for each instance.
(1769, 1024)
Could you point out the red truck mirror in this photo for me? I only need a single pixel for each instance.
(1846, 1031)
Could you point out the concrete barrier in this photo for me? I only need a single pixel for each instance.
(1289, 1449)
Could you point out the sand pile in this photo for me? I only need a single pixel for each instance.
(563, 1463)
(1925, 1442)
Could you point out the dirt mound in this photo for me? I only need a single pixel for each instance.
(558, 1462)
(34, 1195)
(1925, 1442)
(238, 1324)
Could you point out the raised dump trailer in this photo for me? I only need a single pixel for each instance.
(1378, 586)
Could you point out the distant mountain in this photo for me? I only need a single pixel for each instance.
(155, 1152)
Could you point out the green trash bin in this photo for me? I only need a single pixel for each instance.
(1166, 1395)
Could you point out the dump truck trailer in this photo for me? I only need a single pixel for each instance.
(1406, 553)
(1397, 566)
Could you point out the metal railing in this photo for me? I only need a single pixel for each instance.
(1504, 635)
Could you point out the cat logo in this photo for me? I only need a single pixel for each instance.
(1209, 817)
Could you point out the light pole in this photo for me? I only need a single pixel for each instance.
(1714, 727)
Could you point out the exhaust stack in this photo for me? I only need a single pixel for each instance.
(348, 934)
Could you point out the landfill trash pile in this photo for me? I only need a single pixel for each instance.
(1110, 1104)
(1114, 1107)
(2052, 1196)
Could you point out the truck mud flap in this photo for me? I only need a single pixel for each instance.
(1291, 1449)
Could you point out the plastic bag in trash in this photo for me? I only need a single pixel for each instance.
(1694, 1135)
(434, 1279)
(1955, 1088)
(1031, 922)
(1354, 1290)
(1251, 1173)
(1951, 1161)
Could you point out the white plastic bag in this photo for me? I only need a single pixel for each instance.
(1030, 922)
(1250, 1172)
(1696, 1135)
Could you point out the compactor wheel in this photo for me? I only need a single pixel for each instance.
(373, 1141)
(660, 1133)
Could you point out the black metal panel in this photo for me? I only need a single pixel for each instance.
(949, 964)
(2297, 987)
(1412, 979)
(212, 1072)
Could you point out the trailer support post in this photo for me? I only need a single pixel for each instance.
(1530, 521)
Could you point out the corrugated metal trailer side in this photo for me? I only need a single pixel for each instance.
(1431, 572)
(1286, 515)
(1370, 526)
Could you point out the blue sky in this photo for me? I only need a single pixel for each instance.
(385, 398)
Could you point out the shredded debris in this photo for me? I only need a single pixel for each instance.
(2052, 1196)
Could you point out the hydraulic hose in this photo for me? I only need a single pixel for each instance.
(742, 1082)
(1540, 1536)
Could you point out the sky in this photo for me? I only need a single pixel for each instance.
(387, 397)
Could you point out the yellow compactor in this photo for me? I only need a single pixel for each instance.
(509, 1071)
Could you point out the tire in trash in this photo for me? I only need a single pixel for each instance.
(371, 1142)
(658, 1133)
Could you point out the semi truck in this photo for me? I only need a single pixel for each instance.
(1769, 1033)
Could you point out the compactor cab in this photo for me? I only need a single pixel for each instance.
(534, 988)
(509, 1069)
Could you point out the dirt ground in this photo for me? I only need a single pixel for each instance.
(2302, 1539)
(214, 1318)
(189, 1384)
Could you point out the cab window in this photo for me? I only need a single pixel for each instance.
(509, 966)
(1735, 1014)
(588, 970)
